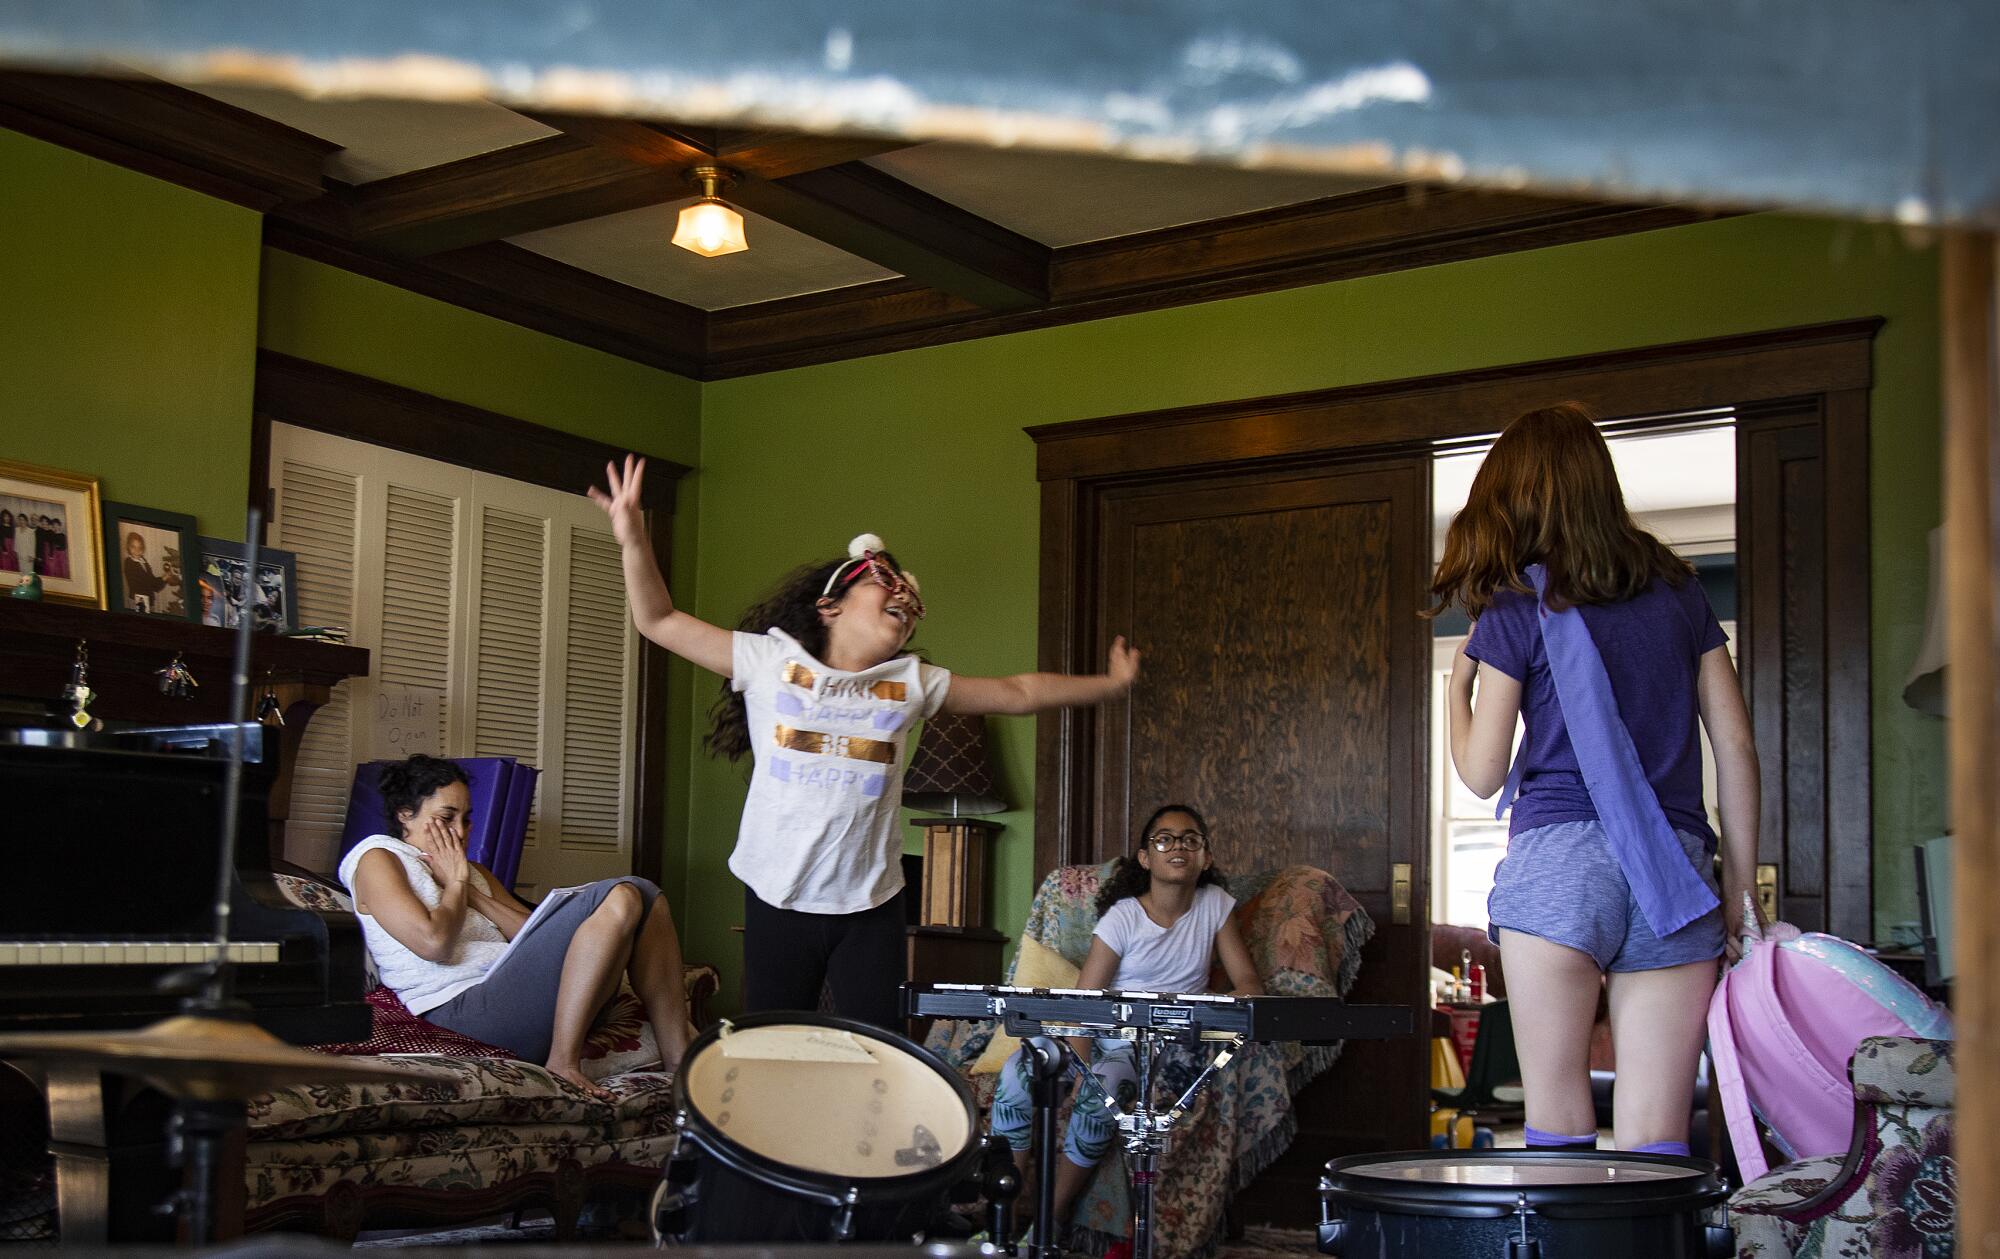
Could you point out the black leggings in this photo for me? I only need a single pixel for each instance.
(788, 956)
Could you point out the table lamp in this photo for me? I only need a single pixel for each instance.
(949, 775)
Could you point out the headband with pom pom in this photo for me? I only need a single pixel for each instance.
(862, 547)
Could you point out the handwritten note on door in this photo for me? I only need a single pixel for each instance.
(408, 720)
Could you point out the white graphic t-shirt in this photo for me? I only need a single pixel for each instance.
(1152, 958)
(819, 827)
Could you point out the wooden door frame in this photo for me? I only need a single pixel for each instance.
(1825, 366)
(328, 400)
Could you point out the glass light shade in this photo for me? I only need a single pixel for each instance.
(710, 228)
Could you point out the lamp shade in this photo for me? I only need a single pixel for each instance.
(949, 772)
(1923, 690)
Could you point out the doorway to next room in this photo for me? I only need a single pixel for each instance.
(1679, 478)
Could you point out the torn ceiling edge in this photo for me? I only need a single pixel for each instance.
(1842, 106)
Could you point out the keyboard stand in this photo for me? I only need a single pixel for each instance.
(1148, 1132)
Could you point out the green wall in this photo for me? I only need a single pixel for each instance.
(133, 313)
(925, 447)
(128, 331)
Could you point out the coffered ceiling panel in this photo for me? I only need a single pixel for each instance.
(635, 248)
(1069, 198)
(389, 137)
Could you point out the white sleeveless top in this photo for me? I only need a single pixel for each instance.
(423, 984)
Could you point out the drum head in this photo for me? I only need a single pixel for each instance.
(1517, 1173)
(1543, 1177)
(827, 1097)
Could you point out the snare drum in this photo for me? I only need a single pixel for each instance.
(797, 1127)
(1522, 1204)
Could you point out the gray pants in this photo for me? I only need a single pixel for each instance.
(514, 1006)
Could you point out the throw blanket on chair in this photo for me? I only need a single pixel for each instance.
(1305, 934)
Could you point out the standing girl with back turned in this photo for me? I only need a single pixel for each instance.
(1602, 642)
(822, 694)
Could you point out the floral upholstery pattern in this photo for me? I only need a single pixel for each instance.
(1305, 934)
(501, 1133)
(1894, 1195)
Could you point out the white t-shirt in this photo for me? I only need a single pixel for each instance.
(423, 984)
(1152, 958)
(819, 827)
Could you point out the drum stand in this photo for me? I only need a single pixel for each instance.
(1148, 1132)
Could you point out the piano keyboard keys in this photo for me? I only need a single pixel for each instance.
(132, 952)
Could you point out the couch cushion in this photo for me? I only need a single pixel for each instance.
(456, 1158)
(481, 1091)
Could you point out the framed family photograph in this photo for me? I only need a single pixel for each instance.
(49, 529)
(147, 557)
(227, 590)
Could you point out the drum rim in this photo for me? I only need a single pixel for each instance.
(746, 1161)
(1343, 1185)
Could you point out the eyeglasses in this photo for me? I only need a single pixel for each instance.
(1167, 841)
(882, 568)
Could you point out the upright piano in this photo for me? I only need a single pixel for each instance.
(111, 842)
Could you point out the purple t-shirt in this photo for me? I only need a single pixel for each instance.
(1652, 646)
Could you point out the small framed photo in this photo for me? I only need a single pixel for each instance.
(148, 555)
(226, 590)
(49, 528)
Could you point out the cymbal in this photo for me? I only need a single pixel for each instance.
(208, 1059)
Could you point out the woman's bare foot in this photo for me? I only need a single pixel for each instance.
(572, 1073)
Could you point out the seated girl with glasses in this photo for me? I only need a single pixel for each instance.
(1163, 920)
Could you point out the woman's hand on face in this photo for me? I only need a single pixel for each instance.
(444, 850)
(1123, 665)
(621, 501)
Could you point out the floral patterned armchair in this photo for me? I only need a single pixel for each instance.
(1305, 934)
(1893, 1195)
(502, 1135)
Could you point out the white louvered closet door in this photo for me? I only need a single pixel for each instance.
(506, 600)
(555, 664)
(319, 521)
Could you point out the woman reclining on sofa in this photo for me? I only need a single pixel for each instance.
(465, 954)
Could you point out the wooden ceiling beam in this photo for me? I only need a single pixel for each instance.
(491, 196)
(525, 288)
(872, 215)
(169, 132)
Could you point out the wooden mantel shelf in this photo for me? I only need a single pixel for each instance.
(38, 643)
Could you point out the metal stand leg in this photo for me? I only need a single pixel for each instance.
(1000, 1184)
(1148, 1134)
(1047, 1058)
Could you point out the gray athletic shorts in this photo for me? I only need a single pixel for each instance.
(1561, 882)
(514, 1007)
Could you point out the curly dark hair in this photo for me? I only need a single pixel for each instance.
(407, 784)
(794, 608)
(1129, 878)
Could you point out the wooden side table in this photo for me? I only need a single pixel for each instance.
(951, 955)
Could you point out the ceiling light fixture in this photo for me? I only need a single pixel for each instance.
(709, 227)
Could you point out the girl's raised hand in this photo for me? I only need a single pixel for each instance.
(1123, 666)
(621, 502)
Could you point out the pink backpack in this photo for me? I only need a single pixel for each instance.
(1781, 1027)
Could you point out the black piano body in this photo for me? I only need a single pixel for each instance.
(112, 843)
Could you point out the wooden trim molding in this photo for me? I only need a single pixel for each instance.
(328, 400)
(1685, 376)
(1816, 376)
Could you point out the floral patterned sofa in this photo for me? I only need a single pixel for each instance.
(1305, 934)
(503, 1135)
(1894, 1194)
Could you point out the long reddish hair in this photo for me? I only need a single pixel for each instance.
(1548, 494)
